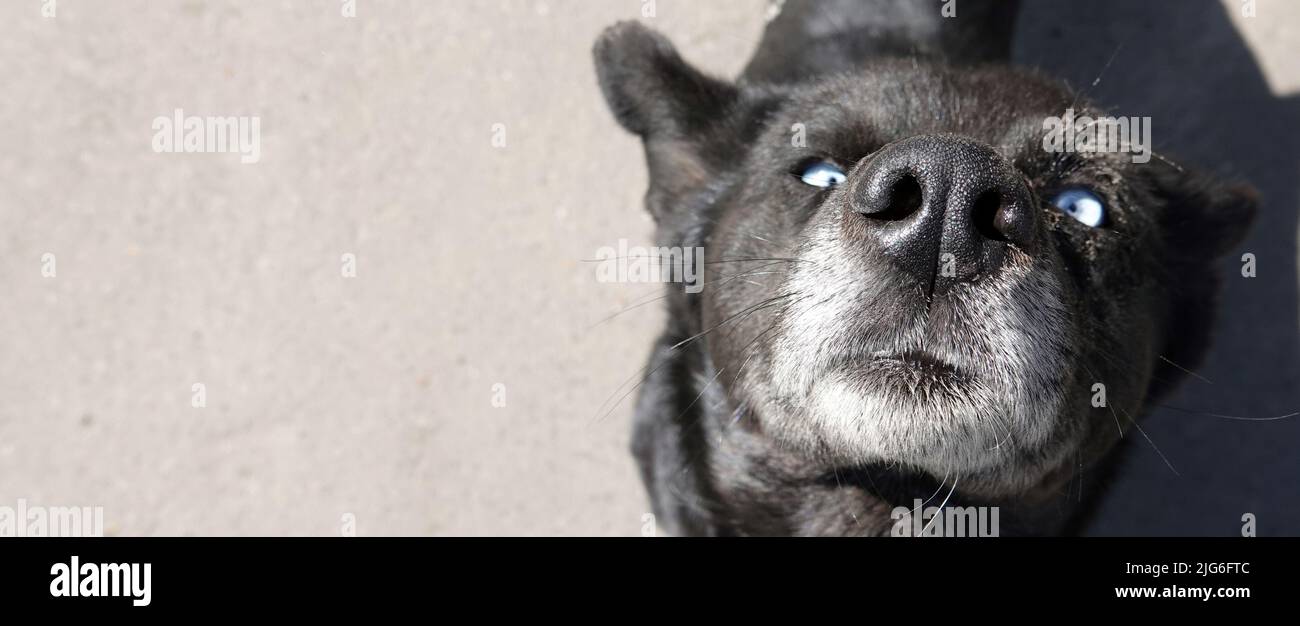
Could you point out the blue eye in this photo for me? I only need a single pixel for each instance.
(822, 174)
(1082, 205)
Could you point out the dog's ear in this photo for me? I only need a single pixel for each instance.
(1203, 220)
(681, 113)
(650, 89)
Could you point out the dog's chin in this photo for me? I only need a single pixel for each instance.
(916, 410)
(906, 409)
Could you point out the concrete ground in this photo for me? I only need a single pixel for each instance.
(460, 151)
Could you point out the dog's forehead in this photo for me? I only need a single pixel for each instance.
(999, 106)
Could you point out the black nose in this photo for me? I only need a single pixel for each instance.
(945, 208)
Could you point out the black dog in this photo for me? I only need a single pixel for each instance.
(908, 294)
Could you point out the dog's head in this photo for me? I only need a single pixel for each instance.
(900, 272)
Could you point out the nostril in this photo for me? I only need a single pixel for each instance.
(985, 215)
(905, 197)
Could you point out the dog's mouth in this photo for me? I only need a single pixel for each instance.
(911, 370)
(915, 360)
(914, 369)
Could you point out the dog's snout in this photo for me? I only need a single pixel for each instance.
(945, 208)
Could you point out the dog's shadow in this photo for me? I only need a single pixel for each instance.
(1184, 64)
